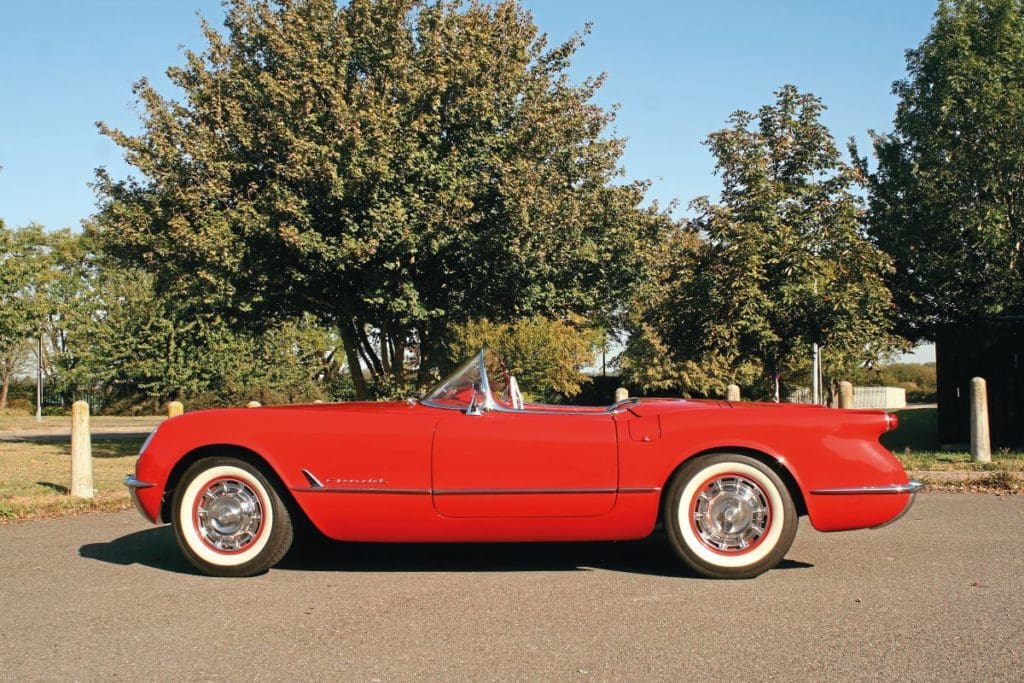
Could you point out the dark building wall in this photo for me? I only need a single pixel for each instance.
(993, 350)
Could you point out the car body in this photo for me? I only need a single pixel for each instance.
(471, 461)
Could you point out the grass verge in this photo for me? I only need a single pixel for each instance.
(34, 479)
(916, 445)
(97, 422)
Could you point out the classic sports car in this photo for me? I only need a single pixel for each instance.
(473, 461)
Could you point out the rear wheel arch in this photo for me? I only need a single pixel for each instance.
(771, 461)
(729, 515)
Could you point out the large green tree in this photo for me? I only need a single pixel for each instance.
(390, 166)
(28, 265)
(947, 200)
(778, 264)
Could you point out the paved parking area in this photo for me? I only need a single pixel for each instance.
(940, 595)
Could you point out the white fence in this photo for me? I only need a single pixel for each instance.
(888, 398)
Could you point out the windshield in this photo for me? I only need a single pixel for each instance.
(467, 384)
(458, 389)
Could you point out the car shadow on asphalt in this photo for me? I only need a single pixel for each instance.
(154, 547)
(651, 556)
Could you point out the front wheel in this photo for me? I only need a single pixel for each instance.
(228, 518)
(729, 516)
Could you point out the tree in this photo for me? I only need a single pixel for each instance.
(779, 264)
(389, 166)
(546, 356)
(25, 267)
(947, 200)
(128, 347)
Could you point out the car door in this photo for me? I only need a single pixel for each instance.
(524, 464)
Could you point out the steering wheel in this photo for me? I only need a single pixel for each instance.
(514, 393)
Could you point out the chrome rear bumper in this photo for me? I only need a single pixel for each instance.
(911, 487)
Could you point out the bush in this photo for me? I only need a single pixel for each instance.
(19, 407)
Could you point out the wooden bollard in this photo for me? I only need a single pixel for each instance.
(732, 393)
(81, 452)
(845, 395)
(621, 394)
(175, 408)
(981, 447)
(252, 404)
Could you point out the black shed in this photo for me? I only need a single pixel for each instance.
(992, 349)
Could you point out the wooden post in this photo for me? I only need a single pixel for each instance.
(175, 408)
(981, 447)
(252, 404)
(732, 393)
(621, 394)
(81, 452)
(845, 395)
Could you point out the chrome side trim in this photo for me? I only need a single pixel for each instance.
(515, 492)
(911, 487)
(392, 492)
(469, 492)
(131, 482)
(313, 481)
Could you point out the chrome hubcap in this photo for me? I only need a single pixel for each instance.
(229, 515)
(731, 513)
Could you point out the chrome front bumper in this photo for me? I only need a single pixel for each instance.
(134, 485)
(911, 487)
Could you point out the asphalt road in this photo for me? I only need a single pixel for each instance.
(939, 596)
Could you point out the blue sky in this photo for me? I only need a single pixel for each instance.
(676, 69)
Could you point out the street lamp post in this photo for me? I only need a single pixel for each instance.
(39, 380)
(816, 375)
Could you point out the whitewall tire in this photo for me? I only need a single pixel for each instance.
(729, 516)
(229, 519)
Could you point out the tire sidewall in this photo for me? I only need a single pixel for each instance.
(261, 553)
(679, 501)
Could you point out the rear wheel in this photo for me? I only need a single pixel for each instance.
(228, 518)
(729, 516)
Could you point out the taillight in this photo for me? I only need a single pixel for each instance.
(891, 422)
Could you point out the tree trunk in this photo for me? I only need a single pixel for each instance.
(385, 354)
(355, 368)
(397, 356)
(366, 348)
(3, 391)
(425, 357)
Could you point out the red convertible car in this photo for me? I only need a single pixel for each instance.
(473, 461)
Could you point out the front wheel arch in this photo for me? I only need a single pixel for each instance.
(246, 455)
